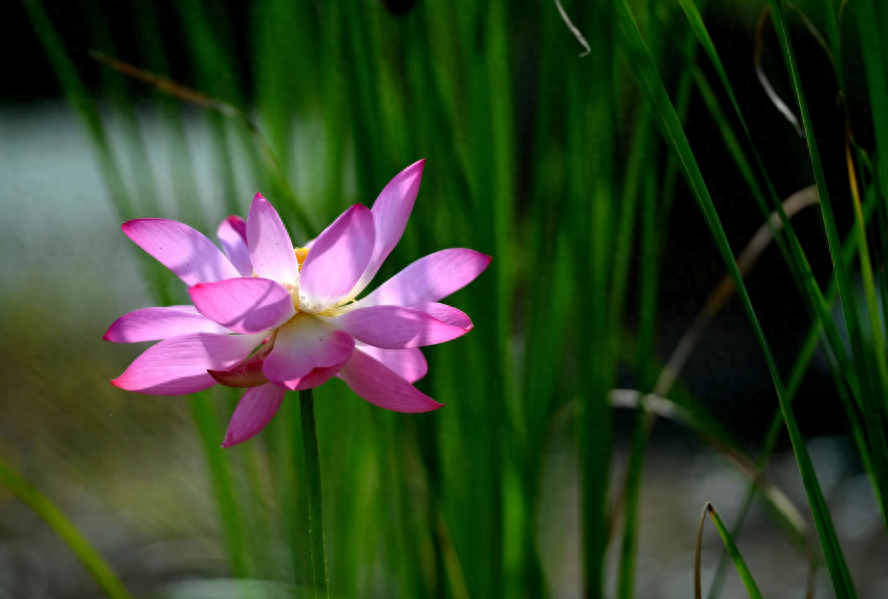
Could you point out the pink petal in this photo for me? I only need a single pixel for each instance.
(244, 305)
(429, 279)
(179, 365)
(303, 344)
(254, 410)
(154, 324)
(232, 233)
(390, 214)
(337, 259)
(180, 248)
(446, 313)
(271, 250)
(396, 327)
(315, 378)
(379, 385)
(408, 363)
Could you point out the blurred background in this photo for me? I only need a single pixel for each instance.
(554, 163)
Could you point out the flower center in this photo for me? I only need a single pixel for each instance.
(301, 255)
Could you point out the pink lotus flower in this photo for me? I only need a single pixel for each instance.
(270, 317)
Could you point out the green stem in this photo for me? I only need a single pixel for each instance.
(315, 499)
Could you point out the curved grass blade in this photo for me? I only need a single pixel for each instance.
(696, 418)
(778, 103)
(643, 65)
(742, 569)
(52, 515)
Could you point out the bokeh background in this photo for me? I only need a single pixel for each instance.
(553, 163)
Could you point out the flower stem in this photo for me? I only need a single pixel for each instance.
(315, 510)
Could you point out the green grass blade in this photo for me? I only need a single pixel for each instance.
(799, 370)
(739, 563)
(797, 260)
(644, 372)
(646, 71)
(52, 515)
(591, 141)
(874, 414)
(874, 46)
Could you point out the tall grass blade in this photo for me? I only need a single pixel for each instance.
(644, 67)
(874, 44)
(52, 515)
(870, 389)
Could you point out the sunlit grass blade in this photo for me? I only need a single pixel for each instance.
(644, 67)
(52, 515)
(739, 563)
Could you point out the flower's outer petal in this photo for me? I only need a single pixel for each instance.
(155, 324)
(315, 378)
(379, 385)
(271, 250)
(429, 279)
(396, 327)
(232, 233)
(408, 363)
(390, 214)
(180, 248)
(336, 260)
(178, 366)
(245, 305)
(253, 412)
(303, 344)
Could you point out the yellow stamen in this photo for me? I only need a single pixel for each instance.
(301, 255)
